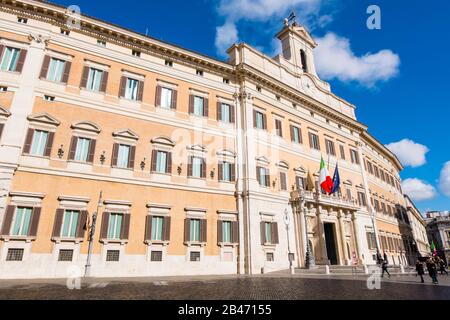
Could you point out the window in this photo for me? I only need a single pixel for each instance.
(65, 32)
(314, 141)
(198, 165)
(123, 156)
(300, 183)
(131, 89)
(49, 98)
(82, 149)
(270, 257)
(330, 147)
(199, 106)
(156, 256)
(101, 43)
(260, 120)
(39, 143)
(382, 175)
(157, 228)
(258, 88)
(371, 241)
(94, 80)
(296, 134)
(226, 172)
(278, 98)
(304, 60)
(263, 176)
(354, 156)
(3, 89)
(195, 256)
(383, 207)
(279, 127)
(65, 255)
(22, 20)
(161, 162)
(56, 70)
(362, 199)
(166, 98)
(199, 73)
(168, 63)
(10, 59)
(21, 223)
(226, 232)
(112, 255)
(369, 167)
(342, 151)
(376, 205)
(349, 194)
(70, 223)
(136, 53)
(283, 181)
(225, 113)
(377, 171)
(226, 81)
(115, 226)
(268, 232)
(194, 230)
(15, 255)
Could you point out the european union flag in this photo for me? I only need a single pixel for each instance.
(336, 180)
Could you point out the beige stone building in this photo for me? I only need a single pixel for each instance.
(202, 165)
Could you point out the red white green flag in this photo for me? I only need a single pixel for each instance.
(433, 249)
(325, 179)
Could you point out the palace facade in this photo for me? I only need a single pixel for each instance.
(177, 163)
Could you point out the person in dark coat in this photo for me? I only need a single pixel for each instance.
(385, 257)
(420, 270)
(442, 267)
(384, 267)
(432, 270)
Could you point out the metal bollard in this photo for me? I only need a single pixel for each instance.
(327, 269)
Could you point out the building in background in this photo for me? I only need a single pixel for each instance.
(438, 228)
(203, 164)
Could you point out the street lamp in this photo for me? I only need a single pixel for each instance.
(87, 270)
(287, 221)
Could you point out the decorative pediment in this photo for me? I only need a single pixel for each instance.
(263, 160)
(44, 118)
(126, 133)
(348, 183)
(165, 141)
(197, 147)
(300, 170)
(4, 112)
(86, 126)
(360, 186)
(226, 153)
(283, 165)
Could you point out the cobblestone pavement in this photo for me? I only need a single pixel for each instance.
(268, 287)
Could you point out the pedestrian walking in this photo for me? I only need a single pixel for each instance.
(432, 270)
(384, 267)
(385, 257)
(420, 270)
(443, 267)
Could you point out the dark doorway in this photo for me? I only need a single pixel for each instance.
(331, 243)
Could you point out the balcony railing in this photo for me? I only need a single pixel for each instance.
(334, 200)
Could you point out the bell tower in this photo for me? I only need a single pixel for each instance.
(297, 47)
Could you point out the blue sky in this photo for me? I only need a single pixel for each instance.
(397, 76)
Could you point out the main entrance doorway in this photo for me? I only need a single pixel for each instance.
(330, 238)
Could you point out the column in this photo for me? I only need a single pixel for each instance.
(321, 235)
(356, 237)
(344, 258)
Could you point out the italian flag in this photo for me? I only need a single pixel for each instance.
(325, 179)
(433, 249)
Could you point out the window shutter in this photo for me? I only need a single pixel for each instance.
(21, 62)
(203, 230)
(265, 121)
(219, 231)
(123, 85)
(267, 178)
(167, 223)
(206, 107)
(174, 99)
(34, 222)
(190, 166)
(292, 133)
(191, 104)
(148, 227)
(2, 48)
(154, 160)
(28, 141)
(283, 182)
(104, 81)
(232, 114)
(1, 129)
(279, 127)
(125, 232)
(263, 232)
(49, 145)
(105, 222)
(84, 77)
(187, 230)
(235, 232)
(300, 137)
(203, 168)
(254, 119)
(59, 216)
(219, 111)
(7, 220)
(82, 224)
(220, 173)
(67, 66)
(233, 172)
(258, 174)
(158, 96)
(169, 163)
(45, 66)
(115, 155)
(73, 148)
(275, 239)
(310, 140)
(140, 95)
(92, 146)
(132, 157)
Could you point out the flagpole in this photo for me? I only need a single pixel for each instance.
(87, 270)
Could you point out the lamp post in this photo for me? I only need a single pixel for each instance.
(376, 235)
(287, 221)
(310, 262)
(87, 270)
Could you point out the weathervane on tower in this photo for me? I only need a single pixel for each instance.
(292, 18)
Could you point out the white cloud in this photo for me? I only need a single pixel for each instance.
(226, 36)
(410, 153)
(418, 190)
(335, 59)
(444, 181)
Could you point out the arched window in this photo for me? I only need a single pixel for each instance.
(304, 60)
